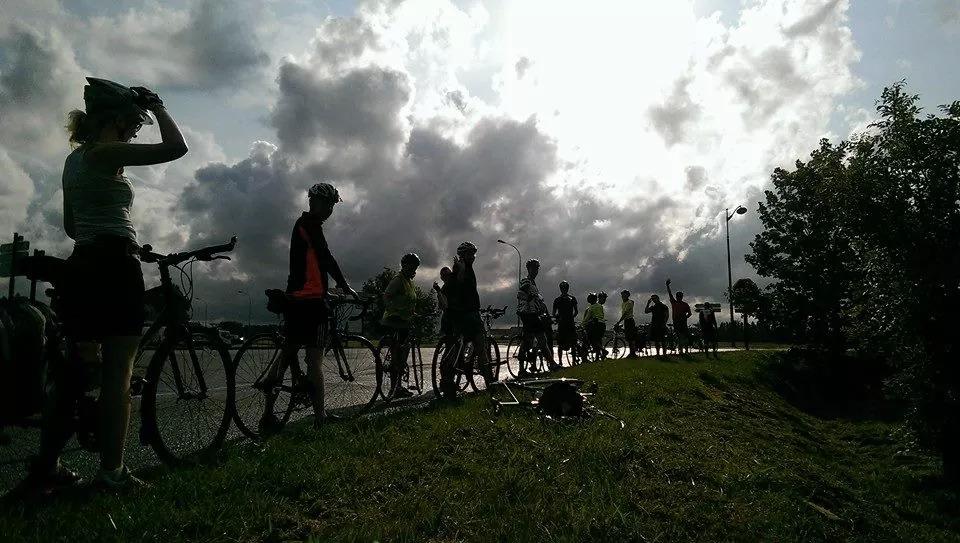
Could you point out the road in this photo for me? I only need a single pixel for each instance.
(180, 420)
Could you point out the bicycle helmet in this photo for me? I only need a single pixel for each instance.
(533, 262)
(410, 258)
(625, 292)
(101, 95)
(324, 191)
(467, 248)
(564, 285)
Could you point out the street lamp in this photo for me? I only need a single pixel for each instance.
(206, 317)
(519, 268)
(739, 211)
(249, 307)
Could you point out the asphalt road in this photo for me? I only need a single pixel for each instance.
(182, 421)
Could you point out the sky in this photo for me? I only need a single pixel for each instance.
(605, 139)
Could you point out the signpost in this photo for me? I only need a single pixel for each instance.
(9, 254)
(708, 307)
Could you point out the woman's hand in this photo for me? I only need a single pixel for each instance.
(146, 98)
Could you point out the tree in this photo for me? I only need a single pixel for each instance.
(747, 300)
(903, 193)
(425, 323)
(804, 246)
(864, 244)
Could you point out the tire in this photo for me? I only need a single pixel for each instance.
(512, 360)
(416, 368)
(351, 373)
(252, 360)
(185, 440)
(386, 388)
(460, 379)
(617, 348)
(495, 361)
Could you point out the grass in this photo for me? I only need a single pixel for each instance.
(710, 452)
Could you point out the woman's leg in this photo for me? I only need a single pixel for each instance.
(118, 355)
(314, 361)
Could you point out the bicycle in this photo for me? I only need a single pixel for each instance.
(412, 368)
(616, 346)
(464, 363)
(351, 369)
(539, 363)
(187, 367)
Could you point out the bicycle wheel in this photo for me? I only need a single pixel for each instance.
(512, 361)
(351, 373)
(186, 404)
(416, 368)
(257, 355)
(495, 361)
(616, 347)
(386, 387)
(460, 378)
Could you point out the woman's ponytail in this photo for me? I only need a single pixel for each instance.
(76, 121)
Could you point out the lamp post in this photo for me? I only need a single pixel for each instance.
(249, 307)
(739, 211)
(206, 317)
(519, 268)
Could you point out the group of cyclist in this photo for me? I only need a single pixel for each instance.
(103, 295)
(537, 322)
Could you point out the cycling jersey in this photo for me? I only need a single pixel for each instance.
(463, 289)
(310, 260)
(659, 314)
(681, 311)
(626, 310)
(594, 313)
(529, 299)
(400, 301)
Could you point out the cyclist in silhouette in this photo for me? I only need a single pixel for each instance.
(400, 305)
(681, 312)
(658, 323)
(565, 311)
(306, 318)
(532, 310)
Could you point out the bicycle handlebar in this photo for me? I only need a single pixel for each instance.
(206, 254)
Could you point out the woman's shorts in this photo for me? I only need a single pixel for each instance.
(305, 321)
(102, 291)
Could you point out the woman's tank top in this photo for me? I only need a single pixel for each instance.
(100, 201)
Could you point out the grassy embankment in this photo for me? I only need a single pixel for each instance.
(710, 452)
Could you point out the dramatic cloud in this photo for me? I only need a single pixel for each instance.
(611, 157)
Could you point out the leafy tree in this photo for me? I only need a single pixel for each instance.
(804, 245)
(425, 323)
(902, 193)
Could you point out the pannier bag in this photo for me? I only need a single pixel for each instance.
(26, 333)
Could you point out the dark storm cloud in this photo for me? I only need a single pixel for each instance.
(696, 178)
(212, 45)
(674, 116)
(356, 113)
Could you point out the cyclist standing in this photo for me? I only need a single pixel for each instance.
(102, 289)
(658, 322)
(400, 305)
(532, 311)
(708, 327)
(681, 312)
(594, 325)
(443, 297)
(307, 286)
(565, 311)
(629, 324)
(464, 312)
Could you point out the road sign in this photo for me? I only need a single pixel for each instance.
(6, 263)
(708, 307)
(15, 247)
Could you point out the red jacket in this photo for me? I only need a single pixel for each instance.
(310, 260)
